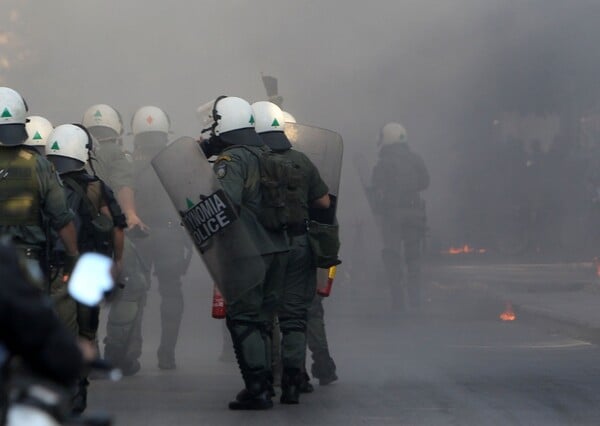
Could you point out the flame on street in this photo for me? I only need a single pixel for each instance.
(508, 314)
(466, 249)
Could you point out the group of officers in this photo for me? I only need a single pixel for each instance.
(70, 189)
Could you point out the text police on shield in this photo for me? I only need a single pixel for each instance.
(210, 216)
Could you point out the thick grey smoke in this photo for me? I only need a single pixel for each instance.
(445, 69)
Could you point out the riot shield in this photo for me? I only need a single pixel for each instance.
(323, 147)
(210, 218)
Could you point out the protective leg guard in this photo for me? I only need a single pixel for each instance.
(121, 327)
(249, 348)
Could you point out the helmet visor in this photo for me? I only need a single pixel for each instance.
(65, 164)
(103, 133)
(277, 141)
(13, 134)
(245, 136)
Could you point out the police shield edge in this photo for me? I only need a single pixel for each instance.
(323, 147)
(209, 218)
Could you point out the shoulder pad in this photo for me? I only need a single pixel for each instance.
(223, 158)
(26, 155)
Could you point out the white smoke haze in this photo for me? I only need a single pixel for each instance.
(446, 69)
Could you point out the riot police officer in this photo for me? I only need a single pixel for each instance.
(305, 189)
(167, 249)
(100, 223)
(249, 319)
(123, 342)
(38, 129)
(31, 194)
(399, 177)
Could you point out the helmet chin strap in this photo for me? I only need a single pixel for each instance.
(216, 117)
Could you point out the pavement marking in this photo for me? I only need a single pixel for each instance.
(550, 345)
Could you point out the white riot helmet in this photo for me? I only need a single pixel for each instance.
(229, 115)
(68, 147)
(103, 121)
(268, 117)
(270, 124)
(13, 116)
(232, 113)
(150, 119)
(288, 118)
(392, 133)
(38, 129)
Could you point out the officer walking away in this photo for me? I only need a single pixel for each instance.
(100, 225)
(31, 193)
(167, 250)
(250, 318)
(323, 366)
(399, 177)
(304, 189)
(123, 342)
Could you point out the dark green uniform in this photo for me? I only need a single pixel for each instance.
(31, 194)
(249, 318)
(123, 342)
(300, 277)
(398, 178)
(82, 320)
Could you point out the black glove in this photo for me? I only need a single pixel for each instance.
(69, 265)
(212, 146)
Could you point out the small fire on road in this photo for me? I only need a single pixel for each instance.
(509, 313)
(466, 249)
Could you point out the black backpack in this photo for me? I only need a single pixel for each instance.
(94, 230)
(280, 179)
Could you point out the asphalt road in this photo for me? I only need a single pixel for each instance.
(454, 364)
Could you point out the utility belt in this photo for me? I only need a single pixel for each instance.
(297, 229)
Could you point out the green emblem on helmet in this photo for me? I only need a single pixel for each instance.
(6, 113)
(251, 119)
(275, 123)
(37, 136)
(55, 146)
(98, 114)
(189, 203)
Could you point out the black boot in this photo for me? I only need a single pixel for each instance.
(256, 395)
(305, 385)
(323, 368)
(290, 386)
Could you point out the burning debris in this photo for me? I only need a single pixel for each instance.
(509, 313)
(466, 249)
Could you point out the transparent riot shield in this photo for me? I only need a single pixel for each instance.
(209, 218)
(323, 147)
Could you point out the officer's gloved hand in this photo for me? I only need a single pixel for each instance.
(212, 146)
(69, 265)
